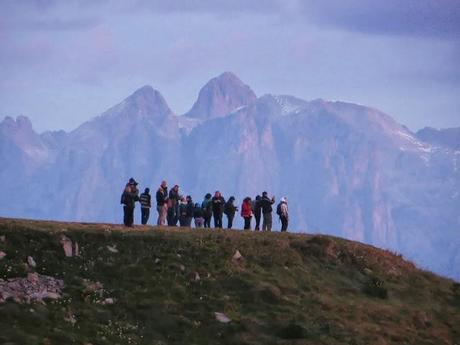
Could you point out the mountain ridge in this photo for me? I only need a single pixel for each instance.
(356, 163)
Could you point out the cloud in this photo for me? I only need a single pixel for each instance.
(433, 18)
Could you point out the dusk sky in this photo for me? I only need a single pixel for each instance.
(63, 62)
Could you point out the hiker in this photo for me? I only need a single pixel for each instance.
(266, 205)
(175, 197)
(206, 206)
(183, 212)
(230, 209)
(190, 208)
(128, 199)
(257, 212)
(218, 203)
(246, 212)
(162, 201)
(198, 216)
(282, 211)
(145, 200)
(171, 214)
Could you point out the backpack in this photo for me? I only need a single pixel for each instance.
(278, 209)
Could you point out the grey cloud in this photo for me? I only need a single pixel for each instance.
(434, 18)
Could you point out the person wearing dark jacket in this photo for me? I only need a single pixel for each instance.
(206, 206)
(198, 216)
(257, 212)
(183, 212)
(218, 203)
(175, 197)
(189, 211)
(162, 202)
(266, 205)
(128, 199)
(230, 210)
(145, 200)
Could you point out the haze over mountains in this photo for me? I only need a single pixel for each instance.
(347, 169)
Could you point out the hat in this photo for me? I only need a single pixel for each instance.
(284, 199)
(264, 194)
(132, 181)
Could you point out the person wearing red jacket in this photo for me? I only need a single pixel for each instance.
(246, 212)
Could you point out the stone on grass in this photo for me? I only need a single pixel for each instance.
(237, 256)
(31, 262)
(2, 255)
(221, 317)
(112, 249)
(66, 245)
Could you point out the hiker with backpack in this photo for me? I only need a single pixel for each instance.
(230, 209)
(257, 212)
(190, 209)
(266, 205)
(145, 200)
(162, 202)
(128, 198)
(206, 206)
(175, 197)
(282, 212)
(246, 212)
(198, 216)
(218, 203)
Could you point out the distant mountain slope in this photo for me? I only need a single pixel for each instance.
(347, 169)
(165, 286)
(449, 137)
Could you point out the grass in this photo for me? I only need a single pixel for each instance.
(288, 289)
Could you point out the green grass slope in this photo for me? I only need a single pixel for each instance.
(167, 284)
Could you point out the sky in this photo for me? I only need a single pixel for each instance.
(64, 62)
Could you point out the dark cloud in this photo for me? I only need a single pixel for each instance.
(433, 18)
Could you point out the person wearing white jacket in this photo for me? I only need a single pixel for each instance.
(284, 216)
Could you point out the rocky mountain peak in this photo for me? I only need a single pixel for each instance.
(147, 101)
(220, 96)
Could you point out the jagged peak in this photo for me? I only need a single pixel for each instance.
(21, 123)
(220, 96)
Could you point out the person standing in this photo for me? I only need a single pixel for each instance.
(230, 209)
(257, 212)
(198, 216)
(128, 199)
(162, 202)
(190, 208)
(206, 206)
(218, 203)
(266, 205)
(171, 214)
(246, 212)
(146, 203)
(175, 197)
(183, 212)
(282, 211)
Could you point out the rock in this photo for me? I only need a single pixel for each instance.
(76, 249)
(112, 249)
(2, 238)
(31, 262)
(66, 245)
(32, 278)
(108, 301)
(157, 261)
(182, 268)
(237, 256)
(93, 287)
(367, 271)
(194, 276)
(2, 255)
(33, 288)
(221, 317)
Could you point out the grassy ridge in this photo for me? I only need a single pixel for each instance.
(168, 283)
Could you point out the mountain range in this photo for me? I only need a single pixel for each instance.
(348, 170)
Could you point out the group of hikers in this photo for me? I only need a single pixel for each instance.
(174, 208)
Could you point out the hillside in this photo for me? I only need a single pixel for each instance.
(164, 286)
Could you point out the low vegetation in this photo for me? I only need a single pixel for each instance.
(164, 286)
